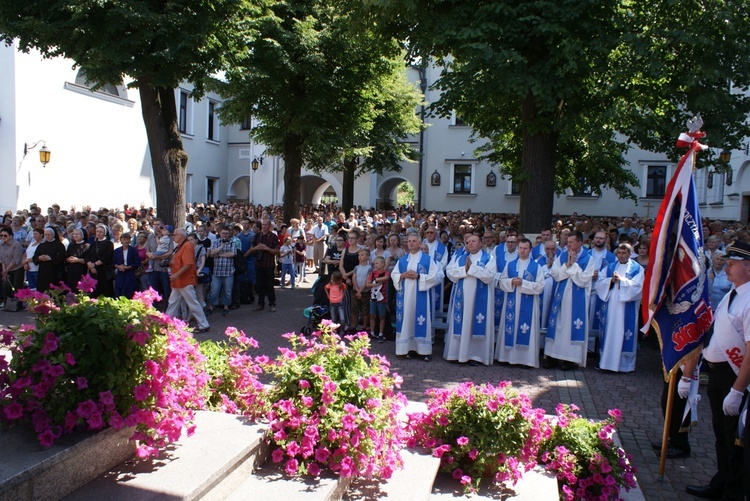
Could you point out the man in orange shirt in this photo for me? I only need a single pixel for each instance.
(183, 281)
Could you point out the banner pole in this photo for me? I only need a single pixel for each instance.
(667, 421)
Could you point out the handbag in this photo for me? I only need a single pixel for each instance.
(204, 276)
(139, 271)
(240, 265)
(11, 304)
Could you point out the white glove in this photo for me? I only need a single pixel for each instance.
(683, 387)
(732, 402)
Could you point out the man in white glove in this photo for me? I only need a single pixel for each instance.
(678, 446)
(727, 356)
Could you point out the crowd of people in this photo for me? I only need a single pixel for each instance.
(496, 295)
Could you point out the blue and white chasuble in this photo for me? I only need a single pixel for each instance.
(619, 313)
(567, 328)
(501, 259)
(518, 340)
(413, 312)
(471, 326)
(601, 261)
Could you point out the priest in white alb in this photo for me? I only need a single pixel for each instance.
(619, 287)
(413, 277)
(518, 332)
(471, 327)
(567, 328)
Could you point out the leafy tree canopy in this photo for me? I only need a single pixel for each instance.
(557, 86)
(316, 78)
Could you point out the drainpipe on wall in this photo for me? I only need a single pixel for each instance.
(423, 87)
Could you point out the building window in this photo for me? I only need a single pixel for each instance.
(515, 187)
(113, 90)
(247, 124)
(184, 112)
(458, 120)
(656, 181)
(213, 121)
(462, 178)
(582, 188)
(212, 189)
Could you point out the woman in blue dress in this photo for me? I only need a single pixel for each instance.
(126, 260)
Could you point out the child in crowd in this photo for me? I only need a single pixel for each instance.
(162, 247)
(377, 283)
(286, 253)
(335, 290)
(361, 296)
(300, 250)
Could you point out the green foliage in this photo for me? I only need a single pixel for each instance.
(405, 194)
(566, 83)
(325, 86)
(169, 41)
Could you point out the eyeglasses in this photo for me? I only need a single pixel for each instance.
(4, 235)
(511, 241)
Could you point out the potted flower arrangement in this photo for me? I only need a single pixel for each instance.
(480, 431)
(585, 459)
(333, 406)
(235, 386)
(91, 363)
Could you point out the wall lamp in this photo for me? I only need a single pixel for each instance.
(44, 153)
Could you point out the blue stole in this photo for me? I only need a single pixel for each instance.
(526, 310)
(579, 316)
(608, 259)
(440, 251)
(480, 300)
(437, 292)
(499, 252)
(631, 312)
(420, 328)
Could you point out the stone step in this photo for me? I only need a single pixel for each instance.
(270, 483)
(413, 483)
(29, 471)
(535, 485)
(224, 450)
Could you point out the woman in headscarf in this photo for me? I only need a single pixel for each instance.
(76, 260)
(50, 258)
(99, 262)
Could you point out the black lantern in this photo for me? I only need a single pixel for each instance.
(725, 156)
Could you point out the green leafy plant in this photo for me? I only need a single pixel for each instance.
(88, 363)
(480, 431)
(583, 456)
(334, 406)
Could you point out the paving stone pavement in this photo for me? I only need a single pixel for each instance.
(637, 394)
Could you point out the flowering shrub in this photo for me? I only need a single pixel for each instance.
(333, 406)
(88, 363)
(584, 457)
(480, 431)
(235, 386)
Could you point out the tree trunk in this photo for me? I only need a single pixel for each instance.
(292, 174)
(168, 158)
(347, 185)
(538, 163)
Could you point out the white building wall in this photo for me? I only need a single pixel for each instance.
(100, 156)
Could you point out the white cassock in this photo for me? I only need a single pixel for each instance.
(601, 258)
(462, 342)
(618, 346)
(509, 346)
(406, 339)
(439, 252)
(549, 285)
(563, 346)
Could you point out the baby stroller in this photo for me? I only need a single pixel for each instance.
(314, 314)
(319, 310)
